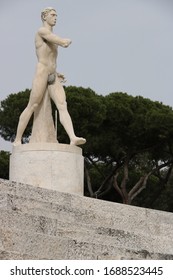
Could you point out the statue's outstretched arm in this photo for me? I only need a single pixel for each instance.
(52, 38)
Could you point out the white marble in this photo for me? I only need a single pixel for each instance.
(47, 81)
(36, 223)
(48, 165)
(43, 162)
(43, 129)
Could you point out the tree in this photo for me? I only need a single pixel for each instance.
(88, 111)
(129, 149)
(10, 111)
(138, 141)
(4, 164)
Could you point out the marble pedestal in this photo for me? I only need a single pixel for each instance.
(48, 165)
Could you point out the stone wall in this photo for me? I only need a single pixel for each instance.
(37, 223)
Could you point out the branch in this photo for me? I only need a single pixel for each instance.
(115, 184)
(88, 182)
(136, 186)
(168, 174)
(124, 183)
(122, 193)
(125, 177)
(141, 186)
(107, 179)
(95, 165)
(99, 195)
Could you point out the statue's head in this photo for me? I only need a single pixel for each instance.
(45, 12)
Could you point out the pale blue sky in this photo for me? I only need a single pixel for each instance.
(118, 45)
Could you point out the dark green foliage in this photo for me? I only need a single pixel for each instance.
(129, 149)
(87, 111)
(137, 123)
(4, 164)
(10, 111)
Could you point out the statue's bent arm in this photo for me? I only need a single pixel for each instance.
(52, 38)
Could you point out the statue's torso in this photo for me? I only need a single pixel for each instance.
(46, 53)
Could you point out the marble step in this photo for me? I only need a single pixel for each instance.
(17, 244)
(60, 226)
(84, 210)
(93, 228)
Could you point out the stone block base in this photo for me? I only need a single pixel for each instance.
(37, 223)
(48, 165)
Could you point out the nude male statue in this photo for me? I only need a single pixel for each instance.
(46, 44)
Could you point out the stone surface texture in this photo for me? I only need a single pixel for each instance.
(43, 129)
(37, 223)
(48, 165)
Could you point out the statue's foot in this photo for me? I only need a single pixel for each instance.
(78, 141)
(16, 143)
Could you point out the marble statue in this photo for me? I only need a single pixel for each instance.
(46, 78)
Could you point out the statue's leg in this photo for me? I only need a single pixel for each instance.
(43, 129)
(57, 94)
(38, 89)
(23, 121)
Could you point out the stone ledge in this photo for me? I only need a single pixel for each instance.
(47, 147)
(90, 228)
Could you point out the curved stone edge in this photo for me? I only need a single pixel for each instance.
(47, 147)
